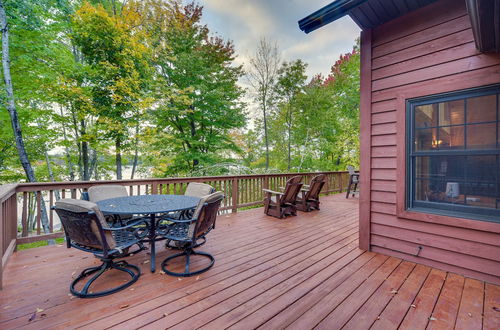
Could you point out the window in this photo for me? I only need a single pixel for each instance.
(454, 154)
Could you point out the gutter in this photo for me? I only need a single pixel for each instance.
(328, 14)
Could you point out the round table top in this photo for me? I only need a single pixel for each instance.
(147, 204)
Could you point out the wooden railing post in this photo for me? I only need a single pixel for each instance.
(8, 224)
(234, 194)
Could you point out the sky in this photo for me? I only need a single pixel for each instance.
(246, 21)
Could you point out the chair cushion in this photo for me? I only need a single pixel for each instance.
(101, 192)
(197, 189)
(81, 206)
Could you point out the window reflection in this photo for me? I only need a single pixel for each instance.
(455, 153)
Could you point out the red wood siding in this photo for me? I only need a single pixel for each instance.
(413, 57)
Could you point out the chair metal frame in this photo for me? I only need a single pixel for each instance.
(77, 228)
(188, 232)
(188, 214)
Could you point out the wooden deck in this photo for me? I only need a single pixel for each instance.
(300, 272)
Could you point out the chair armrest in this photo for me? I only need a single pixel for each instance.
(272, 192)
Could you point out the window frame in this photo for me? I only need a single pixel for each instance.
(445, 209)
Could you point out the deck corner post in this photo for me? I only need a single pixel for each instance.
(365, 141)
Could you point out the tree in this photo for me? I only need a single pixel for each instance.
(262, 76)
(197, 96)
(290, 82)
(10, 102)
(118, 60)
(344, 82)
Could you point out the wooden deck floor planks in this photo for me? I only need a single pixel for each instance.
(299, 273)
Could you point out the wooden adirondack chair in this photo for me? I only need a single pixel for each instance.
(308, 199)
(280, 204)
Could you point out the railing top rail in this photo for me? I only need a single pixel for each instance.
(7, 190)
(36, 186)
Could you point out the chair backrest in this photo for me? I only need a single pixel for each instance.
(101, 192)
(206, 213)
(198, 189)
(83, 224)
(292, 189)
(351, 169)
(315, 187)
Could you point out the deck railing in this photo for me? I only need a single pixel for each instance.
(24, 206)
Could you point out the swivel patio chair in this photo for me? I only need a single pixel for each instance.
(86, 229)
(308, 199)
(188, 232)
(195, 189)
(101, 192)
(353, 182)
(280, 204)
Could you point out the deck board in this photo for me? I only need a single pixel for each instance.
(300, 272)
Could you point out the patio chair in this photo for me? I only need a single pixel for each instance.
(188, 232)
(280, 204)
(86, 229)
(101, 192)
(195, 189)
(353, 181)
(308, 198)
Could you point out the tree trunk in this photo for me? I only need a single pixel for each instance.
(265, 134)
(85, 151)
(289, 136)
(11, 106)
(66, 150)
(193, 133)
(136, 151)
(118, 159)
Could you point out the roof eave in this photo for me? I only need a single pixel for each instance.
(328, 14)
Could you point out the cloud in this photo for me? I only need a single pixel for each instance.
(246, 21)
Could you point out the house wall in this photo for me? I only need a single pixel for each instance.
(428, 51)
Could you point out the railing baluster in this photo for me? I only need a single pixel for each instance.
(51, 211)
(24, 215)
(341, 184)
(38, 211)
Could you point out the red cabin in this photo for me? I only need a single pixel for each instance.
(430, 130)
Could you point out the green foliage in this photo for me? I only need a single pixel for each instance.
(99, 81)
(38, 244)
(320, 120)
(196, 114)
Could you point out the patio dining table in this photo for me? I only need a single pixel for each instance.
(151, 205)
